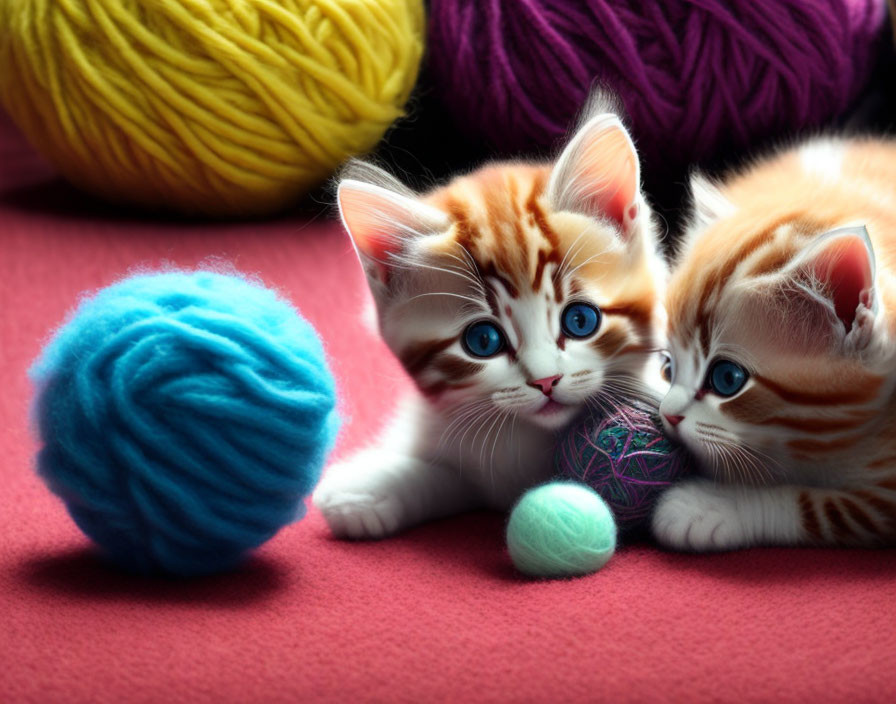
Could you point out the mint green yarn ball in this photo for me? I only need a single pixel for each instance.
(561, 529)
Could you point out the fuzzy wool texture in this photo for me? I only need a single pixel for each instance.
(184, 417)
(437, 614)
(560, 529)
(695, 76)
(210, 106)
(625, 457)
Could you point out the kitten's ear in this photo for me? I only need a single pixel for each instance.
(709, 203)
(382, 223)
(598, 174)
(839, 269)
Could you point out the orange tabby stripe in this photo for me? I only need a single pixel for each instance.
(820, 446)
(809, 516)
(813, 425)
(716, 280)
(467, 232)
(534, 209)
(886, 509)
(541, 222)
(522, 243)
(773, 261)
(859, 516)
(610, 341)
(419, 355)
(456, 368)
(543, 259)
(639, 311)
(496, 216)
(835, 518)
(558, 286)
(861, 393)
(635, 349)
(440, 387)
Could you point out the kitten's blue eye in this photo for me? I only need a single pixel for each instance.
(483, 339)
(579, 320)
(727, 378)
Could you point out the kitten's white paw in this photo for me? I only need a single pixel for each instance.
(354, 507)
(698, 516)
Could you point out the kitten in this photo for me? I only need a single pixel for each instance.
(782, 314)
(512, 296)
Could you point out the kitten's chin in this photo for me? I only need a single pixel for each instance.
(553, 415)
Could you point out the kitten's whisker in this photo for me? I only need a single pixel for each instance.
(482, 418)
(740, 464)
(478, 303)
(462, 414)
(457, 421)
(588, 261)
(761, 462)
(491, 462)
(474, 267)
(631, 390)
(568, 257)
(494, 417)
(453, 272)
(468, 266)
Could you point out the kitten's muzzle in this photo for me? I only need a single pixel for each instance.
(547, 384)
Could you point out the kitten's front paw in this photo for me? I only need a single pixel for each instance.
(355, 509)
(698, 516)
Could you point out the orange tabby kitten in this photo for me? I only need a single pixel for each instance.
(782, 316)
(512, 296)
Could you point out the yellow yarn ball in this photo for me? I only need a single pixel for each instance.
(223, 107)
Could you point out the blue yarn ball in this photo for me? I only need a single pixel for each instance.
(184, 418)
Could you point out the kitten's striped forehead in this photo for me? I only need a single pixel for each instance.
(500, 221)
(732, 257)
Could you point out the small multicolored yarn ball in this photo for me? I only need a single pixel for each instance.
(625, 457)
(560, 529)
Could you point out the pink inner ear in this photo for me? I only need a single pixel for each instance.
(846, 268)
(379, 246)
(361, 210)
(614, 171)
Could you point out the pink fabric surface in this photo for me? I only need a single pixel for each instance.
(436, 614)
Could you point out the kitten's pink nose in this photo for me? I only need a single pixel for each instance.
(547, 384)
(673, 420)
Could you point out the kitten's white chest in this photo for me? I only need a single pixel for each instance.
(500, 457)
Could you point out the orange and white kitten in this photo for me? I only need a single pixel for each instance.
(782, 315)
(512, 296)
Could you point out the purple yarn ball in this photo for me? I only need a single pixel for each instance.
(695, 76)
(625, 457)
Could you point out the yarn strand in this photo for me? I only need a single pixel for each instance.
(697, 78)
(215, 106)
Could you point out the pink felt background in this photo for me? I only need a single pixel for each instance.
(434, 615)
